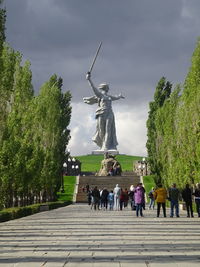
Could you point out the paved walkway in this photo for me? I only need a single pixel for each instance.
(76, 236)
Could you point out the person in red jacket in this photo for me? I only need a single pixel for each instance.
(126, 198)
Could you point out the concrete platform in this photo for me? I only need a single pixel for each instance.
(78, 236)
(102, 152)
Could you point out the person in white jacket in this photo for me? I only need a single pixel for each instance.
(117, 192)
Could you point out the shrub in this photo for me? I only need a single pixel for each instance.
(18, 212)
(5, 216)
(55, 205)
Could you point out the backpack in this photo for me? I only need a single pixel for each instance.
(150, 194)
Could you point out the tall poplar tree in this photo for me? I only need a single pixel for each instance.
(174, 130)
(52, 117)
(2, 93)
(190, 116)
(163, 91)
(14, 150)
(166, 124)
(33, 131)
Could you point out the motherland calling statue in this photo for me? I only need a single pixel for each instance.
(105, 136)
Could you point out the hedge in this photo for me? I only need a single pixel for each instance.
(19, 212)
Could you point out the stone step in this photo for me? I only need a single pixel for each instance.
(99, 178)
(124, 173)
(104, 181)
(129, 174)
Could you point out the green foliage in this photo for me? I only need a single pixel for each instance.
(34, 134)
(52, 118)
(174, 130)
(92, 163)
(162, 93)
(14, 213)
(8, 59)
(58, 204)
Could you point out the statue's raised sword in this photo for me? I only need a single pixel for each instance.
(90, 70)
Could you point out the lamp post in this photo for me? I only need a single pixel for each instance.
(62, 177)
(77, 171)
(69, 164)
(73, 168)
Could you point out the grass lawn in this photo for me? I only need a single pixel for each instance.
(69, 183)
(92, 163)
(148, 184)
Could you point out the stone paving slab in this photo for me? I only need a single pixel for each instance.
(78, 236)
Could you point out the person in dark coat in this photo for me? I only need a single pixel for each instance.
(89, 197)
(96, 196)
(104, 198)
(197, 198)
(187, 197)
(87, 188)
(174, 195)
(111, 200)
(132, 200)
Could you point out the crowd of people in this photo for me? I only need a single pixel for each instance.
(119, 199)
(174, 195)
(115, 199)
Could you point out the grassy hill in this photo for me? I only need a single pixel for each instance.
(69, 183)
(92, 163)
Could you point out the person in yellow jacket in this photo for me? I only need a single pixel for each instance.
(160, 195)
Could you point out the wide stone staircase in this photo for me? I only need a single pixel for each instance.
(124, 181)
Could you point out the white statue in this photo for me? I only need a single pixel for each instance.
(105, 136)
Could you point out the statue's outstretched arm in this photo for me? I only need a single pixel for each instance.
(96, 91)
(117, 97)
(90, 100)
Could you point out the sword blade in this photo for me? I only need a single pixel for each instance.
(93, 62)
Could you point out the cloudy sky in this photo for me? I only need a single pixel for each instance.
(143, 40)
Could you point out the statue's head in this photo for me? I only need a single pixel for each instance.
(104, 87)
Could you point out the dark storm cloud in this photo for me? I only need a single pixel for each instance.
(142, 41)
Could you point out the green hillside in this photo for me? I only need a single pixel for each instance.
(69, 183)
(92, 163)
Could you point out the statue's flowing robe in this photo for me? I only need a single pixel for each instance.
(105, 135)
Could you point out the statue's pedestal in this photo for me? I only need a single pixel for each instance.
(102, 152)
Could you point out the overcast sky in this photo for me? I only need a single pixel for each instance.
(143, 40)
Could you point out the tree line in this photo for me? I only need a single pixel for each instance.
(33, 131)
(173, 128)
